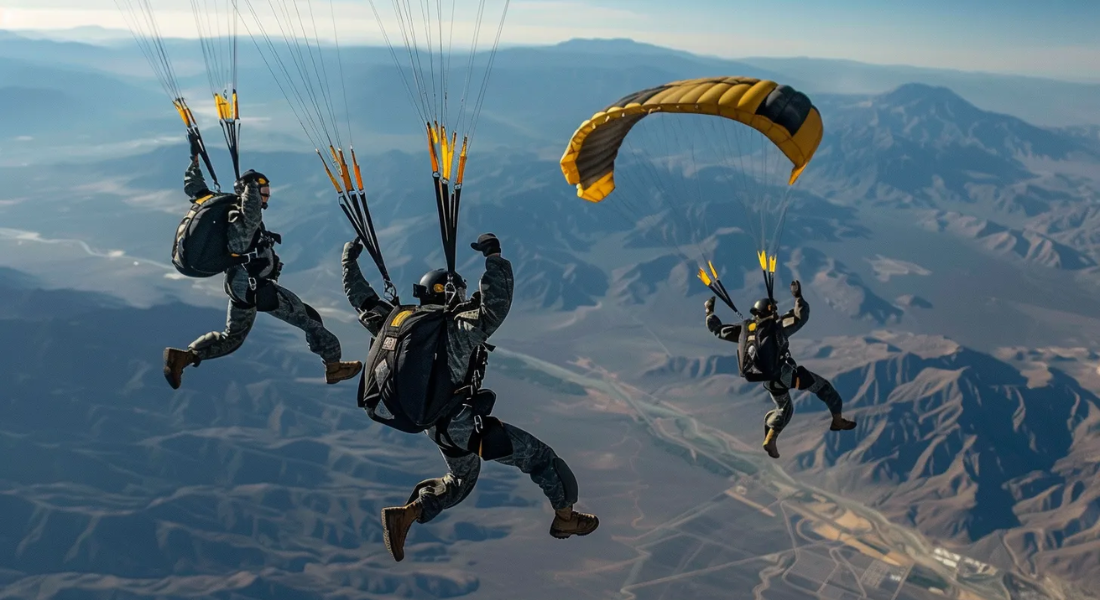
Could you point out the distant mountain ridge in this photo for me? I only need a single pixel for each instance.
(954, 442)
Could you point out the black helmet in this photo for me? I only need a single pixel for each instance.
(250, 176)
(764, 307)
(433, 285)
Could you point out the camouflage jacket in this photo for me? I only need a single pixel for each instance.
(791, 321)
(246, 226)
(466, 331)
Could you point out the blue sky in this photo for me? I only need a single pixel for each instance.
(1059, 39)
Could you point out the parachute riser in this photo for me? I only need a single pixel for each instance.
(230, 119)
(767, 268)
(353, 203)
(192, 126)
(205, 157)
(715, 284)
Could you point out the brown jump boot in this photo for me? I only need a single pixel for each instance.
(841, 424)
(396, 521)
(769, 443)
(174, 362)
(568, 522)
(338, 371)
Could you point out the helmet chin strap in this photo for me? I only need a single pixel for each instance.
(441, 287)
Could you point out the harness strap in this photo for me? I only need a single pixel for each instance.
(444, 440)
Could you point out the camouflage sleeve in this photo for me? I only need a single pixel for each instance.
(194, 185)
(729, 333)
(496, 288)
(356, 288)
(244, 224)
(796, 318)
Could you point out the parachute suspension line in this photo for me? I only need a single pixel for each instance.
(782, 205)
(397, 62)
(322, 72)
(695, 176)
(448, 55)
(304, 105)
(146, 32)
(480, 102)
(416, 64)
(652, 182)
(292, 35)
(470, 66)
(715, 283)
(297, 103)
(448, 136)
(756, 182)
(431, 76)
(742, 195)
(437, 82)
(777, 236)
(235, 125)
(343, 86)
(312, 91)
(711, 279)
(308, 91)
(769, 283)
(219, 49)
(627, 205)
(675, 128)
(649, 183)
(318, 79)
(664, 128)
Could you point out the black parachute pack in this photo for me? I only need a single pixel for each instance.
(201, 248)
(762, 350)
(406, 381)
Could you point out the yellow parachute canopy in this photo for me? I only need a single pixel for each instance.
(785, 116)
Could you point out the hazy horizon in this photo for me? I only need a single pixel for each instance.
(1055, 40)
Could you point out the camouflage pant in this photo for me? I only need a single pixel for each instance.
(799, 378)
(529, 455)
(289, 309)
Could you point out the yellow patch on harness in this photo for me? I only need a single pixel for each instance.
(400, 317)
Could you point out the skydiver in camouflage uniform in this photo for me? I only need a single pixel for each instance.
(468, 435)
(792, 376)
(252, 286)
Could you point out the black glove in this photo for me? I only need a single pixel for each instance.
(196, 147)
(353, 249)
(796, 289)
(709, 305)
(487, 244)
